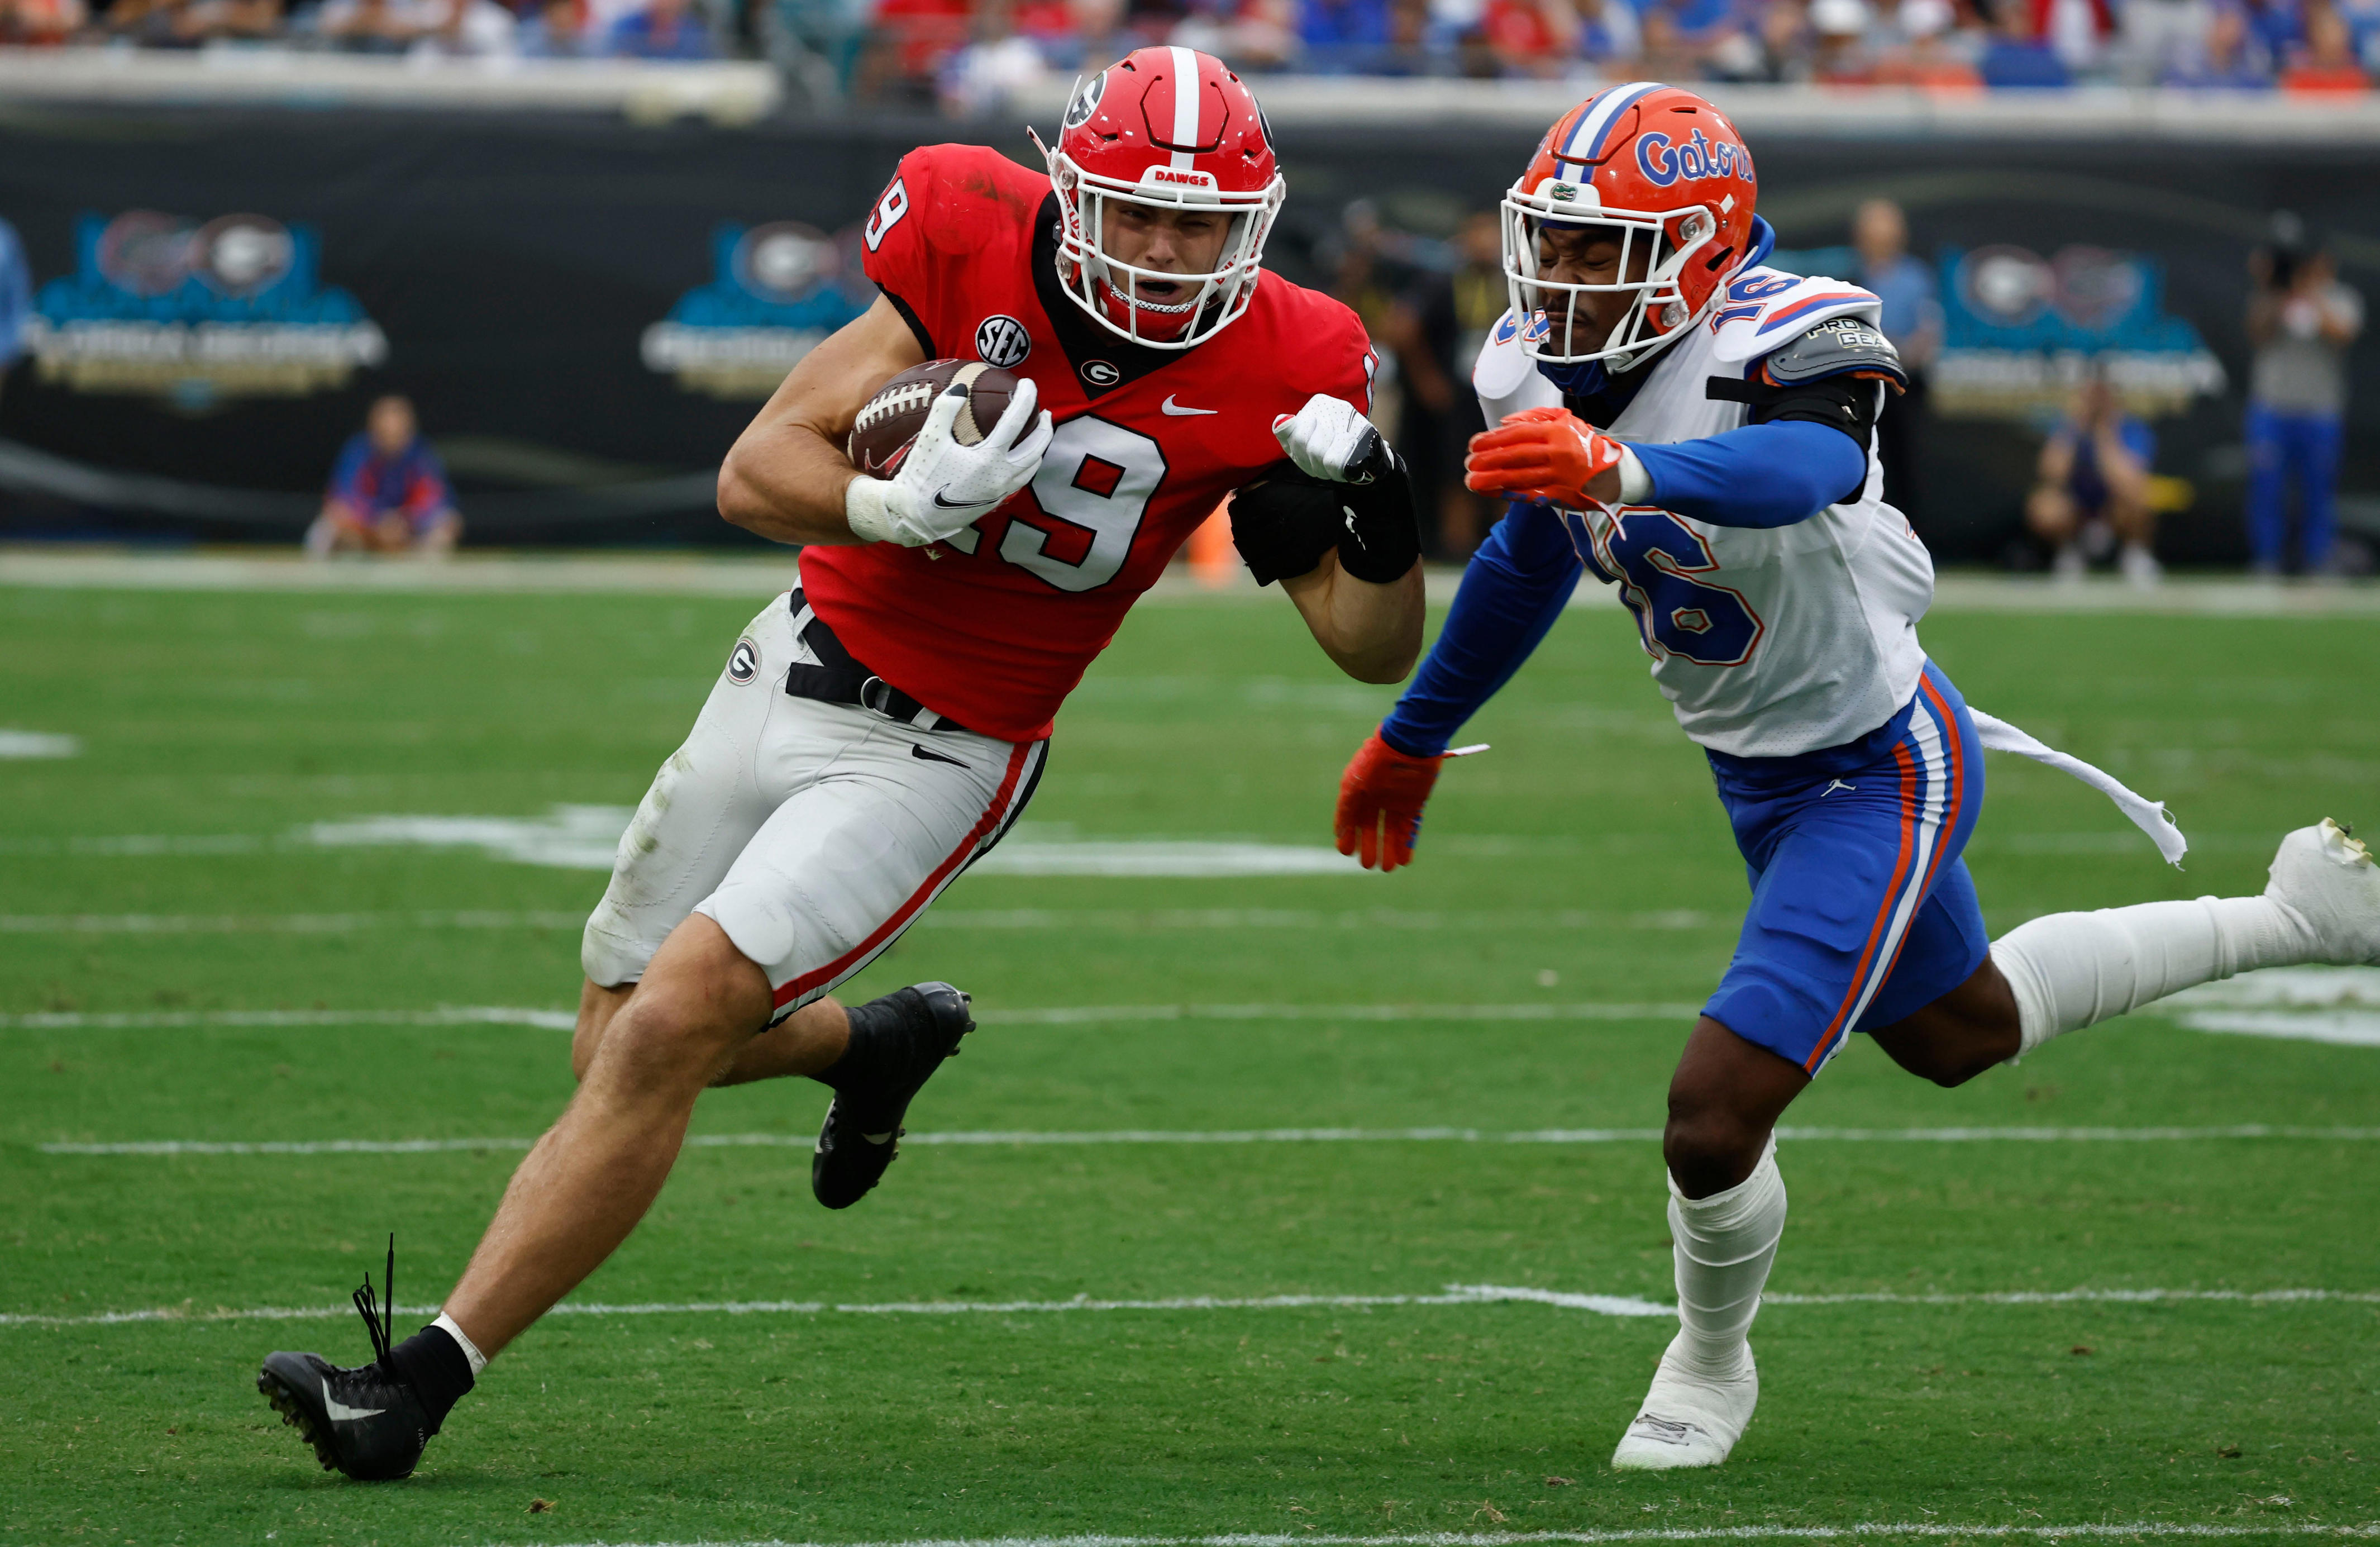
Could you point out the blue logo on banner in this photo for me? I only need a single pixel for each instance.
(775, 291)
(233, 308)
(2020, 331)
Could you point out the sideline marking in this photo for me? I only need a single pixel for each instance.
(1623, 1306)
(1924, 1529)
(1235, 1136)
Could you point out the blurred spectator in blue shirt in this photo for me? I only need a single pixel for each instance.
(664, 30)
(2092, 487)
(1912, 318)
(388, 491)
(2275, 31)
(554, 29)
(1341, 35)
(2227, 60)
(2018, 56)
(16, 298)
(1608, 34)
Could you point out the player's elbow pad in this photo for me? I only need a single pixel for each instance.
(1285, 522)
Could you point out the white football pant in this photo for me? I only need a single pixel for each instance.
(813, 834)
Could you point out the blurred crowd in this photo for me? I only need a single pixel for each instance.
(551, 29)
(972, 54)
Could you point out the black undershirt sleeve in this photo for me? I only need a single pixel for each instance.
(925, 340)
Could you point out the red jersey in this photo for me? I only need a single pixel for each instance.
(993, 627)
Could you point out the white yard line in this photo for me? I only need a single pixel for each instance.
(1069, 919)
(151, 1020)
(1873, 1530)
(1029, 1138)
(38, 744)
(285, 923)
(1070, 1015)
(1621, 1306)
(757, 577)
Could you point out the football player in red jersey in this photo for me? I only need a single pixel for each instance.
(879, 727)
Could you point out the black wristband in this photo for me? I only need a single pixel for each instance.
(1383, 540)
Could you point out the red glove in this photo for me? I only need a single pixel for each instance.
(1381, 799)
(1540, 454)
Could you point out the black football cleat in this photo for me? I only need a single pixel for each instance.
(366, 1422)
(911, 1030)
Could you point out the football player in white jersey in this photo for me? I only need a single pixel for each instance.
(1697, 429)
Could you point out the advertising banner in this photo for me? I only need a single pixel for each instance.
(586, 313)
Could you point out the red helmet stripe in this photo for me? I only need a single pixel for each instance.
(1187, 99)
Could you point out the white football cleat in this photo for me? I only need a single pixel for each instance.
(2328, 879)
(1688, 1419)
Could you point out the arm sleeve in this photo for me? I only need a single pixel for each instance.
(1762, 475)
(1517, 584)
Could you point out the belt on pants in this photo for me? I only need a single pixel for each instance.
(839, 678)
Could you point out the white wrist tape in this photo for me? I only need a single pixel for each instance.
(863, 509)
(1635, 483)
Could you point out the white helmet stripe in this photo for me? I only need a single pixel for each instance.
(1586, 141)
(1185, 104)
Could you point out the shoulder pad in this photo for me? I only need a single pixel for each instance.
(1845, 345)
(968, 193)
(1763, 310)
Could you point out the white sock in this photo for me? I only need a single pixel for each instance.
(2074, 969)
(470, 1349)
(1724, 1245)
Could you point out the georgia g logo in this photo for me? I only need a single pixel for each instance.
(1002, 340)
(1087, 101)
(744, 664)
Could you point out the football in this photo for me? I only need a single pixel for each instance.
(890, 419)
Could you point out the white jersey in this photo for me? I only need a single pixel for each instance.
(1767, 642)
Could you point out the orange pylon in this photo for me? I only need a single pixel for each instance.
(1213, 560)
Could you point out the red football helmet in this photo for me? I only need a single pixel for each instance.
(1168, 128)
(1666, 169)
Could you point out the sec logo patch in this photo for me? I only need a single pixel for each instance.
(1002, 341)
(745, 664)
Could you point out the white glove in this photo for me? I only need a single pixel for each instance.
(943, 487)
(1328, 439)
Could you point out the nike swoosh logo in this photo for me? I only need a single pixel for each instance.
(1178, 411)
(950, 504)
(341, 1413)
(924, 756)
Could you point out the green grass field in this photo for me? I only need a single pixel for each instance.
(167, 880)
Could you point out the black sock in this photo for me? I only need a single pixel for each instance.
(863, 1059)
(433, 1364)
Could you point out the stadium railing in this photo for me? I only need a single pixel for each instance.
(731, 91)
